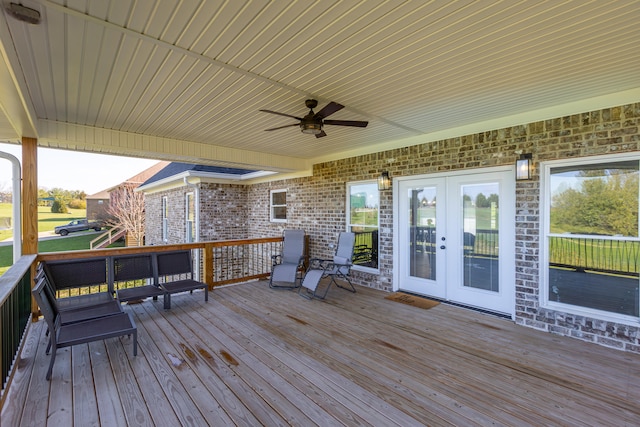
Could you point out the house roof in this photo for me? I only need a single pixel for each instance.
(178, 171)
(185, 81)
(143, 176)
(104, 194)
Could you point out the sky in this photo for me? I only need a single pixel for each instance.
(73, 170)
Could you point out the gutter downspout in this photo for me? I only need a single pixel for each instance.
(15, 200)
(196, 202)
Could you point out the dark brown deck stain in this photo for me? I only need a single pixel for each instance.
(295, 319)
(388, 345)
(490, 326)
(207, 356)
(188, 352)
(229, 358)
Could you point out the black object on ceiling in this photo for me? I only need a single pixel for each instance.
(313, 123)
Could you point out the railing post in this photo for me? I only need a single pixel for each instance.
(208, 265)
(29, 232)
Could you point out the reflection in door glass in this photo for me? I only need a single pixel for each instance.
(422, 232)
(480, 236)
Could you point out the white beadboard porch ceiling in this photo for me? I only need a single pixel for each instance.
(184, 79)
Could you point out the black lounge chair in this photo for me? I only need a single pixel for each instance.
(92, 329)
(77, 313)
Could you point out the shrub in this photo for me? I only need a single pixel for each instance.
(78, 204)
(59, 206)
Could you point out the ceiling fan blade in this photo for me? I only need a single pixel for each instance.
(321, 134)
(328, 110)
(285, 126)
(346, 123)
(281, 114)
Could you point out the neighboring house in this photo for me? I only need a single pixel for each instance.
(97, 206)
(101, 202)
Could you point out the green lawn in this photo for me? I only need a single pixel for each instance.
(73, 243)
(47, 220)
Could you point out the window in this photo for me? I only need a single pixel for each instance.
(278, 204)
(362, 219)
(592, 243)
(165, 220)
(190, 216)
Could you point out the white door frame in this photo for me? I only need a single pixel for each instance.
(509, 282)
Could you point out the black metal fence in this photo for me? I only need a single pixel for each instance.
(579, 253)
(595, 254)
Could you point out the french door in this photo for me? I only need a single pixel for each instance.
(456, 239)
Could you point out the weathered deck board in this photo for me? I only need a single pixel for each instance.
(255, 356)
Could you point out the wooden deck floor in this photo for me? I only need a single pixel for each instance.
(254, 356)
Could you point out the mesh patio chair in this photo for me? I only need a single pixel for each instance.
(175, 271)
(76, 313)
(285, 270)
(88, 330)
(139, 273)
(339, 267)
(74, 274)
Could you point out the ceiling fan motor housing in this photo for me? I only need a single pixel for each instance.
(311, 124)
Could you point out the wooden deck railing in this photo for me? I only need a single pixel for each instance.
(220, 263)
(107, 238)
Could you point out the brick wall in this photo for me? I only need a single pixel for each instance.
(225, 209)
(318, 202)
(223, 213)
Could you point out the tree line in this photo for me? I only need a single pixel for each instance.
(605, 205)
(62, 200)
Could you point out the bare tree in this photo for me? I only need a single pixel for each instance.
(126, 209)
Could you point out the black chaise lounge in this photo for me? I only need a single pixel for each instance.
(92, 329)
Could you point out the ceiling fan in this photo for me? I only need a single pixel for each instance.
(313, 122)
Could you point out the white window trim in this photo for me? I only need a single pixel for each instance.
(545, 221)
(348, 224)
(271, 205)
(165, 219)
(186, 216)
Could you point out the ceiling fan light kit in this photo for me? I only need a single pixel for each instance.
(313, 128)
(313, 123)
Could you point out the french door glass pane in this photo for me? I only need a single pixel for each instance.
(422, 232)
(480, 235)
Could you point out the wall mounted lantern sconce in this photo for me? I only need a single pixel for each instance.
(523, 167)
(384, 181)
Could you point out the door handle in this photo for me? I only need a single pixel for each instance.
(443, 247)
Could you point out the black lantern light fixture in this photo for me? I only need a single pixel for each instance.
(384, 181)
(311, 127)
(523, 167)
